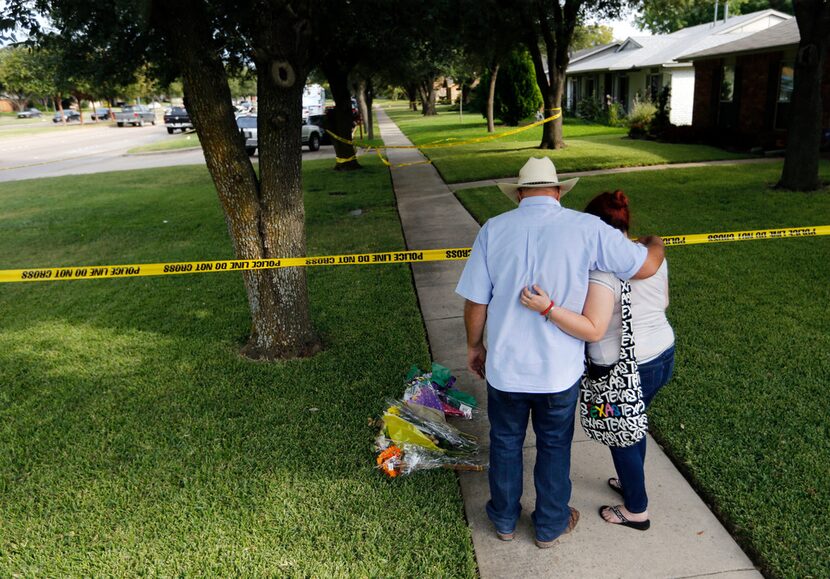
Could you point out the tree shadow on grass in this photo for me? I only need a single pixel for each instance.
(131, 441)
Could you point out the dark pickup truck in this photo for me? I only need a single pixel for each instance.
(177, 118)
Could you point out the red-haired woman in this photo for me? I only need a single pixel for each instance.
(600, 324)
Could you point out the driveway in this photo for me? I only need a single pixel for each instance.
(74, 150)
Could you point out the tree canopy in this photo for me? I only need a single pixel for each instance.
(590, 35)
(24, 74)
(664, 16)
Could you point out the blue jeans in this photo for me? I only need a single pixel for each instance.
(629, 461)
(553, 422)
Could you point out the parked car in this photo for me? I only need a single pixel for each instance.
(29, 113)
(247, 124)
(312, 135)
(320, 121)
(247, 128)
(101, 114)
(135, 115)
(177, 118)
(68, 114)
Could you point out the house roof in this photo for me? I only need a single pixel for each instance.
(666, 49)
(783, 34)
(591, 50)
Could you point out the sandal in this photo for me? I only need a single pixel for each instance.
(639, 525)
(572, 521)
(615, 485)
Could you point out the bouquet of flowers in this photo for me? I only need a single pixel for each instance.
(415, 434)
(405, 459)
(435, 389)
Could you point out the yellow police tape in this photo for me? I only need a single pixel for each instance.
(412, 256)
(443, 143)
(446, 142)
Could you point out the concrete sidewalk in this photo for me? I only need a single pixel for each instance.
(685, 539)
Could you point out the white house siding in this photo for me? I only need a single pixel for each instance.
(682, 95)
(758, 25)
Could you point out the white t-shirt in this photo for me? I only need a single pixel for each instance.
(652, 332)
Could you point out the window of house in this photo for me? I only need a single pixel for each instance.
(622, 91)
(785, 82)
(785, 93)
(727, 84)
(573, 94)
(589, 86)
(653, 86)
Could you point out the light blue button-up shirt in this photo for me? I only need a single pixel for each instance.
(543, 243)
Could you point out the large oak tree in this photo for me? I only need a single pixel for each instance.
(801, 163)
(198, 40)
(548, 31)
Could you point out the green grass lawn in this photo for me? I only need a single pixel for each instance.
(173, 142)
(134, 440)
(41, 127)
(11, 120)
(744, 414)
(589, 146)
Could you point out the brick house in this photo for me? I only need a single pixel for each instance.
(743, 89)
(641, 66)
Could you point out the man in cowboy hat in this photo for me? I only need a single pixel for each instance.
(533, 367)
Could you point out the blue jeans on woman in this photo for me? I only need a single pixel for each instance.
(553, 422)
(629, 461)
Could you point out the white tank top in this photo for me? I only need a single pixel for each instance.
(652, 333)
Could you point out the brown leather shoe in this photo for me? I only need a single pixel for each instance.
(505, 536)
(572, 521)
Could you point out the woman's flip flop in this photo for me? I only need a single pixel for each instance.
(617, 488)
(639, 525)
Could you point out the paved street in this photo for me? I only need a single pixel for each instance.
(51, 151)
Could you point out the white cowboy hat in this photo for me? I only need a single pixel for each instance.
(538, 172)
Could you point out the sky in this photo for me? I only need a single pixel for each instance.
(624, 27)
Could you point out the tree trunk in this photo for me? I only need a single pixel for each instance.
(80, 108)
(264, 220)
(491, 98)
(370, 99)
(801, 162)
(59, 100)
(552, 131)
(426, 88)
(556, 32)
(365, 113)
(411, 91)
(18, 101)
(338, 78)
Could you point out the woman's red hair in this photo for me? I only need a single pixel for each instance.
(612, 208)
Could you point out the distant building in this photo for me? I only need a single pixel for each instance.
(743, 88)
(641, 66)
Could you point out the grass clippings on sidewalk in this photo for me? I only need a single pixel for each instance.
(135, 440)
(744, 414)
(588, 146)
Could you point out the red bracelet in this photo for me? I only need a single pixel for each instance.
(549, 308)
